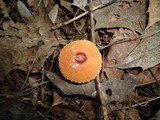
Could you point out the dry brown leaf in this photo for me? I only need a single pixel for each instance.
(146, 54)
(23, 11)
(89, 109)
(33, 81)
(133, 114)
(148, 77)
(118, 88)
(4, 10)
(107, 1)
(20, 49)
(113, 72)
(155, 71)
(157, 116)
(118, 52)
(40, 19)
(128, 18)
(80, 3)
(30, 2)
(67, 5)
(53, 13)
(154, 12)
(15, 109)
(68, 112)
(57, 99)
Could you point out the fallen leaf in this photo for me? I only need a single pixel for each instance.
(67, 5)
(4, 9)
(119, 51)
(146, 54)
(68, 112)
(112, 72)
(40, 20)
(15, 109)
(23, 11)
(128, 18)
(157, 116)
(53, 13)
(20, 49)
(45, 3)
(133, 114)
(149, 76)
(107, 1)
(57, 99)
(155, 71)
(33, 82)
(154, 12)
(124, 5)
(124, 34)
(81, 4)
(30, 2)
(88, 107)
(118, 88)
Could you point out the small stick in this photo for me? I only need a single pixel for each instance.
(75, 18)
(101, 94)
(139, 104)
(91, 21)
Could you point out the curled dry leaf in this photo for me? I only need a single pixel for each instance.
(118, 88)
(23, 11)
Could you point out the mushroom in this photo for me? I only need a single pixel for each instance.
(80, 61)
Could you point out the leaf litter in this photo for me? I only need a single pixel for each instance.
(154, 14)
(29, 59)
(117, 15)
(88, 89)
(146, 54)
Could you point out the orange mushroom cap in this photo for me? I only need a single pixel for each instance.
(80, 61)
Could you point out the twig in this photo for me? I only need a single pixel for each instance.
(30, 89)
(91, 21)
(122, 41)
(39, 3)
(75, 22)
(151, 34)
(102, 96)
(139, 104)
(30, 69)
(75, 18)
(42, 86)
